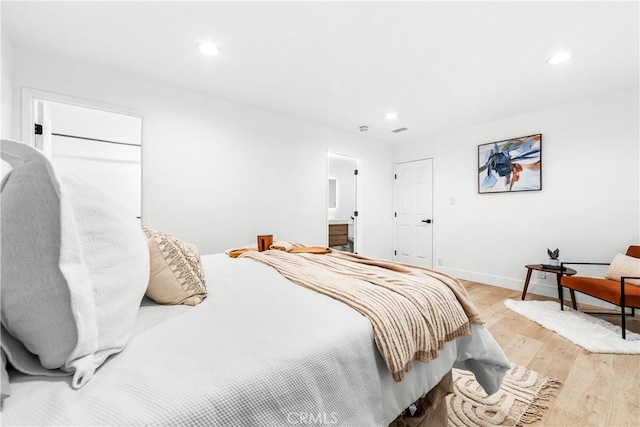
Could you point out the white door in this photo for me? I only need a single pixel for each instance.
(413, 213)
(102, 147)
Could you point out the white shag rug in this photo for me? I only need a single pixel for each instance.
(591, 333)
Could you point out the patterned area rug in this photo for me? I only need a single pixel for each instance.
(519, 401)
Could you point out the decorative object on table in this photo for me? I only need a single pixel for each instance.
(519, 401)
(264, 242)
(602, 336)
(553, 257)
(510, 165)
(553, 267)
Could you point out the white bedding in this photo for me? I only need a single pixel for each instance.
(258, 351)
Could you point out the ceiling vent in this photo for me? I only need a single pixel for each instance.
(399, 130)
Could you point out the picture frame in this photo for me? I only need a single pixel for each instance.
(511, 165)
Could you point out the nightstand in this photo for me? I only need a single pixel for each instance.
(559, 273)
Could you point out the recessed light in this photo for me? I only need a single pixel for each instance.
(208, 48)
(558, 58)
(391, 116)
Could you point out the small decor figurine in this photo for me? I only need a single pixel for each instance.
(553, 256)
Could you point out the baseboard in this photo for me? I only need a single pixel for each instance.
(536, 286)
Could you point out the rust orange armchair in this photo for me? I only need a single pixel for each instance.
(618, 292)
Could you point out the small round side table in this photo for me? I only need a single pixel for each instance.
(559, 273)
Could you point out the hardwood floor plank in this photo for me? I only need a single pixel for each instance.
(504, 327)
(556, 358)
(624, 409)
(560, 417)
(627, 373)
(588, 390)
(535, 331)
(521, 349)
(625, 402)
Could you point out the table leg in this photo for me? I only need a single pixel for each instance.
(526, 283)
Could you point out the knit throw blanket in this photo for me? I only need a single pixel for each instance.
(414, 311)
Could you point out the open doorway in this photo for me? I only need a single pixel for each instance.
(342, 204)
(100, 146)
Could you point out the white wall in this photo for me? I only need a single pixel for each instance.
(217, 173)
(6, 92)
(589, 206)
(6, 86)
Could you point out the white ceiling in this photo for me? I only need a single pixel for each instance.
(439, 65)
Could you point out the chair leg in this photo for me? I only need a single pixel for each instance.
(622, 308)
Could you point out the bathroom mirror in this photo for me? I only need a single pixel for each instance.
(332, 193)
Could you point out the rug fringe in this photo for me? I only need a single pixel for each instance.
(536, 410)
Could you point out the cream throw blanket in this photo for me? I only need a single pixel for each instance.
(414, 311)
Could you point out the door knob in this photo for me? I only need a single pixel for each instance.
(428, 221)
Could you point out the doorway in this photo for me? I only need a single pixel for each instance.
(102, 147)
(413, 229)
(342, 203)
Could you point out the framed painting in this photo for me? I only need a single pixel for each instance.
(510, 165)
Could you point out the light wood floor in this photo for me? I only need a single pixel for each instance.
(598, 390)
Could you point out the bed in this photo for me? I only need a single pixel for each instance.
(259, 349)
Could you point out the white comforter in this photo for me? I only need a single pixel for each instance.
(258, 351)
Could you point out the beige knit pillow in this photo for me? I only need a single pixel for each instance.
(176, 270)
(624, 266)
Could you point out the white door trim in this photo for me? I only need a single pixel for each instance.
(31, 96)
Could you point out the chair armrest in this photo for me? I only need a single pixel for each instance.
(563, 268)
(585, 263)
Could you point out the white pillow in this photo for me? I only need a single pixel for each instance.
(74, 268)
(5, 386)
(624, 266)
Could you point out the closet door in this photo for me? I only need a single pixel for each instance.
(102, 147)
(414, 213)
